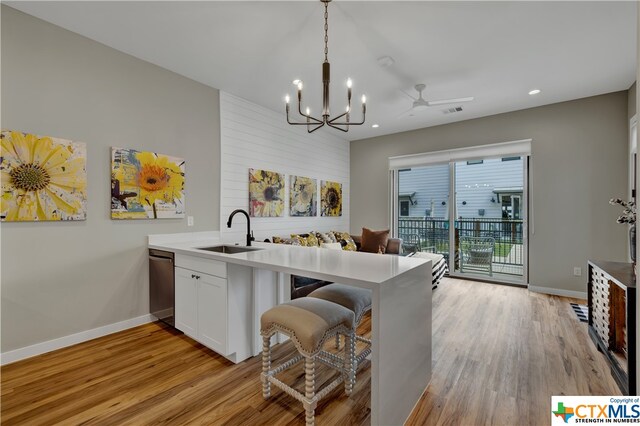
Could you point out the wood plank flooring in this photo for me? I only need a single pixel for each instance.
(499, 353)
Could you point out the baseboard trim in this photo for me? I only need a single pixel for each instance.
(559, 292)
(72, 339)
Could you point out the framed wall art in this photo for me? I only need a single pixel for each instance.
(146, 185)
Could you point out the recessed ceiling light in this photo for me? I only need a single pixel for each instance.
(375, 126)
(534, 91)
(296, 81)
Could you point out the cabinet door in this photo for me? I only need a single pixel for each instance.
(212, 312)
(186, 316)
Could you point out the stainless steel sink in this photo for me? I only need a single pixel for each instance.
(229, 249)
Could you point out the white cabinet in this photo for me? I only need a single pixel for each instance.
(214, 305)
(201, 308)
(186, 319)
(212, 312)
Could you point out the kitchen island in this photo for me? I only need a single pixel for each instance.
(401, 307)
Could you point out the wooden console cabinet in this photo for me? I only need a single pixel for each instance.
(612, 318)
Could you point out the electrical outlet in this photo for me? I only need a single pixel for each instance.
(577, 271)
(189, 220)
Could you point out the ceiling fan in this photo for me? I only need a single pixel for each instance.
(420, 103)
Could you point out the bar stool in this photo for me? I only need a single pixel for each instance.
(357, 300)
(309, 323)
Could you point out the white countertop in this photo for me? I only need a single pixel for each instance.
(355, 268)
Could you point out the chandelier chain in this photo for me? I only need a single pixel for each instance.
(326, 32)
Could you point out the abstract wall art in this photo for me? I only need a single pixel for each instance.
(331, 198)
(266, 193)
(146, 185)
(303, 199)
(43, 178)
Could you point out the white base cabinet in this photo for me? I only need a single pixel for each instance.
(213, 305)
(186, 291)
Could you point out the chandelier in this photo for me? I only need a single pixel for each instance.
(340, 122)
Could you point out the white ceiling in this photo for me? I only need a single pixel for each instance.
(494, 51)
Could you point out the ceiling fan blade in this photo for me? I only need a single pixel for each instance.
(449, 101)
(408, 95)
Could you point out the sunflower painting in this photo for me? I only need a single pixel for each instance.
(266, 193)
(43, 178)
(302, 196)
(146, 185)
(331, 198)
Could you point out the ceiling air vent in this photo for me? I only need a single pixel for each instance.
(452, 110)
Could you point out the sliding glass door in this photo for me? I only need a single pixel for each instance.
(473, 212)
(423, 207)
(489, 225)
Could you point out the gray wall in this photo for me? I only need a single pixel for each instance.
(579, 152)
(63, 278)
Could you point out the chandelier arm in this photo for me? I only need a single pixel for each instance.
(315, 120)
(315, 128)
(337, 118)
(339, 128)
(294, 123)
(350, 123)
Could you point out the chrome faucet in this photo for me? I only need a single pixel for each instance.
(249, 232)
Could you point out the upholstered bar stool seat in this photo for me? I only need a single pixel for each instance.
(356, 299)
(309, 323)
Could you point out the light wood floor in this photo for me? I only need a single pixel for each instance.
(499, 353)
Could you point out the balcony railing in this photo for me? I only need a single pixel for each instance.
(432, 234)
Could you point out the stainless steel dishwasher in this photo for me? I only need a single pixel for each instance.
(162, 285)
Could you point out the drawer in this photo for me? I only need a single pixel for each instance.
(199, 264)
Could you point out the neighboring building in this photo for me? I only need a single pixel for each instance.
(484, 188)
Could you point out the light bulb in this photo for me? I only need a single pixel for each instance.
(364, 99)
(300, 85)
(287, 99)
(348, 108)
(308, 111)
(349, 83)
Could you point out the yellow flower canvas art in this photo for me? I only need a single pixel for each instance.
(43, 178)
(266, 193)
(330, 198)
(302, 196)
(146, 185)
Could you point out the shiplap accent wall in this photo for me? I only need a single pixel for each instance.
(256, 137)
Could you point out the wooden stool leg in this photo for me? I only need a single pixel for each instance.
(266, 366)
(309, 389)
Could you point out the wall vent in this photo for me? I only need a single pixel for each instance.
(452, 110)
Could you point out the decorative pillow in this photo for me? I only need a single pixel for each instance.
(288, 241)
(331, 246)
(374, 241)
(307, 240)
(326, 237)
(345, 241)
